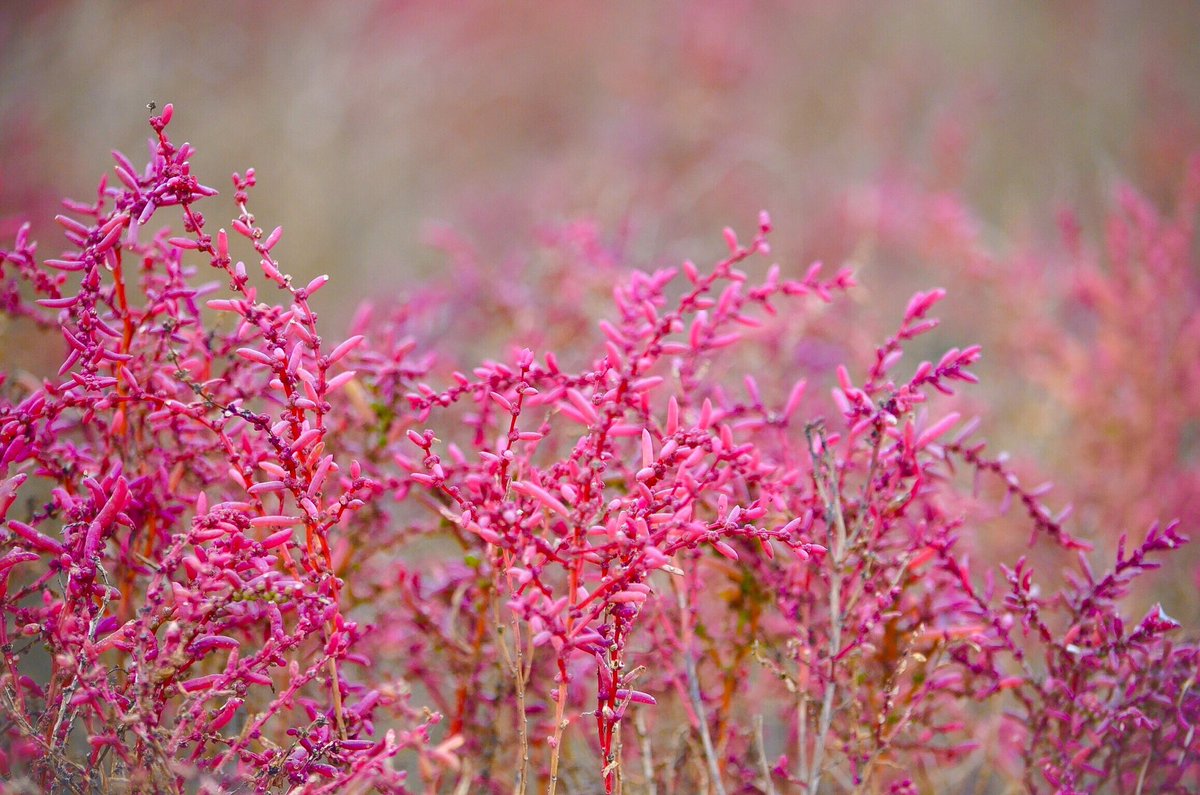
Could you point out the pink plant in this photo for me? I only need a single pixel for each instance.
(239, 556)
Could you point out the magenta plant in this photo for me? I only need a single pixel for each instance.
(239, 557)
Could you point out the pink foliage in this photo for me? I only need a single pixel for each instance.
(239, 555)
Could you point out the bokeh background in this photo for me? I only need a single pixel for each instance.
(924, 143)
(368, 121)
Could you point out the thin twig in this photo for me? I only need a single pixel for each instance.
(560, 723)
(693, 682)
(516, 665)
(827, 488)
(639, 723)
(760, 749)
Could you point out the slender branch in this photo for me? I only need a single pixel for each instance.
(827, 488)
(639, 723)
(560, 723)
(693, 688)
(761, 751)
(516, 665)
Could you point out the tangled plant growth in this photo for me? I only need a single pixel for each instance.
(1109, 333)
(237, 556)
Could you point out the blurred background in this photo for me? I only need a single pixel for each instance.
(924, 143)
(664, 122)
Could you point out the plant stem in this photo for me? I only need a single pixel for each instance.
(693, 683)
(827, 487)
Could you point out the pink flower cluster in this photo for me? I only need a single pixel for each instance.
(238, 557)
